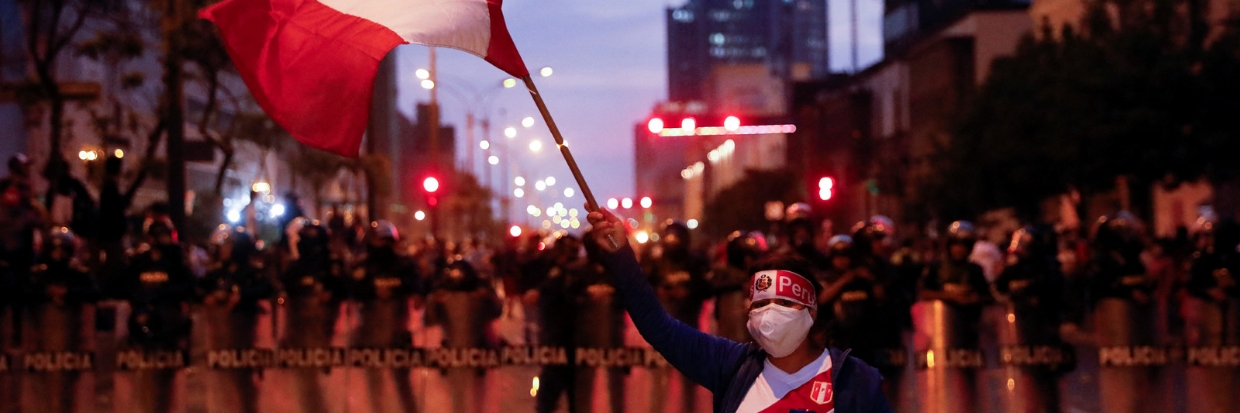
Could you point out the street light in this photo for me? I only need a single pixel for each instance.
(484, 145)
(519, 181)
(419, 215)
(536, 146)
(550, 180)
(540, 185)
(546, 71)
(510, 83)
(428, 84)
(528, 121)
(493, 160)
(518, 192)
(510, 132)
(422, 74)
(568, 192)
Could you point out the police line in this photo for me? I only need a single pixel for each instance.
(386, 358)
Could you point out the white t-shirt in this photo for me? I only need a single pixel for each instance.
(777, 391)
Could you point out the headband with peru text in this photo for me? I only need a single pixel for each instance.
(785, 285)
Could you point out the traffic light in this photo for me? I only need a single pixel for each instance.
(431, 185)
(826, 188)
(655, 125)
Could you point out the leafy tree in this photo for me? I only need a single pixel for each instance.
(1141, 96)
(742, 206)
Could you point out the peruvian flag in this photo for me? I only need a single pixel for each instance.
(311, 64)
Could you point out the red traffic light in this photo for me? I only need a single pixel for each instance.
(655, 125)
(430, 184)
(826, 188)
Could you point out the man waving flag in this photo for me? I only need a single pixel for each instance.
(311, 64)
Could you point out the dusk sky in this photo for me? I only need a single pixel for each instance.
(610, 69)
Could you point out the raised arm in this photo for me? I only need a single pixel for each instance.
(706, 359)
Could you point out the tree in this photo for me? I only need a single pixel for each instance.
(742, 205)
(1141, 96)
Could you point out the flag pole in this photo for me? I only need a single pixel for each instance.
(559, 142)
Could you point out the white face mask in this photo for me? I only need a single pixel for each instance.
(779, 330)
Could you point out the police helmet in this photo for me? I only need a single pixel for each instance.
(839, 245)
(242, 243)
(1119, 230)
(155, 228)
(962, 232)
(673, 233)
(743, 245)
(312, 237)
(383, 230)
(799, 210)
(59, 238)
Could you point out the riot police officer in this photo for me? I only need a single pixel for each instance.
(731, 284)
(678, 275)
(464, 303)
(801, 233)
(231, 294)
(1211, 314)
(384, 283)
(852, 294)
(1124, 314)
(556, 296)
(315, 285)
(157, 285)
(954, 279)
(1029, 290)
(600, 325)
(57, 293)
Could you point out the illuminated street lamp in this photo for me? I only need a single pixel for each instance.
(546, 71)
(484, 145)
(528, 121)
(510, 132)
(422, 74)
(519, 181)
(550, 180)
(428, 84)
(536, 146)
(493, 160)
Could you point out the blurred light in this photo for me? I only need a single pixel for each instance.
(647, 202)
(422, 74)
(546, 71)
(485, 145)
(533, 210)
(568, 192)
(530, 209)
(563, 223)
(228, 201)
(692, 224)
(510, 132)
(613, 203)
(118, 153)
(428, 84)
(82, 155)
(419, 215)
(269, 198)
(655, 125)
(515, 231)
(555, 219)
(261, 187)
(510, 83)
(518, 192)
(540, 185)
(688, 124)
(536, 146)
(546, 224)
(559, 205)
(713, 156)
(729, 146)
(493, 160)
(626, 203)
(234, 216)
(574, 223)
(642, 237)
(826, 187)
(572, 212)
(632, 223)
(534, 387)
(732, 124)
(277, 210)
(519, 181)
(550, 180)
(528, 121)
(743, 130)
(430, 184)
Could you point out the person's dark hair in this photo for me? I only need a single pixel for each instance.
(788, 262)
(112, 166)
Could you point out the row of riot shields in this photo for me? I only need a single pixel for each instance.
(1010, 359)
(1001, 359)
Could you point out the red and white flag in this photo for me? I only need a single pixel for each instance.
(311, 64)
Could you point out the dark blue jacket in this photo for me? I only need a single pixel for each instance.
(723, 366)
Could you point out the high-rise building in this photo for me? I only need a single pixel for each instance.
(789, 36)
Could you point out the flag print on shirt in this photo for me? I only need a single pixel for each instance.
(816, 395)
